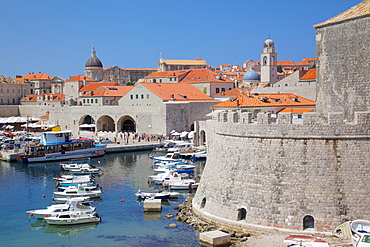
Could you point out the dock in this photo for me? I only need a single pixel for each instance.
(9, 155)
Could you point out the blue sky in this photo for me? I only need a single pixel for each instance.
(56, 37)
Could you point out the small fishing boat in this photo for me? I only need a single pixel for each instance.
(305, 241)
(199, 155)
(182, 185)
(73, 179)
(74, 191)
(59, 145)
(76, 205)
(86, 170)
(164, 195)
(67, 218)
(171, 157)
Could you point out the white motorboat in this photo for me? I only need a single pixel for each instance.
(76, 205)
(175, 166)
(199, 155)
(182, 185)
(73, 191)
(85, 170)
(72, 219)
(73, 179)
(73, 164)
(170, 176)
(360, 233)
(171, 157)
(59, 145)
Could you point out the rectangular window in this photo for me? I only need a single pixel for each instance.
(13, 90)
(88, 101)
(96, 101)
(223, 89)
(137, 96)
(147, 96)
(106, 101)
(217, 90)
(132, 96)
(142, 96)
(84, 101)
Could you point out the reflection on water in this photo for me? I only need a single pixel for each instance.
(26, 187)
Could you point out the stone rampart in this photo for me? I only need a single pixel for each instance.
(279, 175)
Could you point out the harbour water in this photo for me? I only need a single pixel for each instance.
(25, 187)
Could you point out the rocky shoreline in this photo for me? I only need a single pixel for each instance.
(185, 214)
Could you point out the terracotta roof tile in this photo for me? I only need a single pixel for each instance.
(360, 10)
(297, 110)
(266, 100)
(310, 75)
(80, 78)
(94, 85)
(234, 92)
(180, 92)
(37, 76)
(109, 91)
(200, 75)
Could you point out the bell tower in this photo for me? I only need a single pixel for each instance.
(268, 62)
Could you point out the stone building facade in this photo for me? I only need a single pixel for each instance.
(312, 176)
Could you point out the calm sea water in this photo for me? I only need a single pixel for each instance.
(123, 223)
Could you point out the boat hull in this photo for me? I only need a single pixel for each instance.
(87, 153)
(72, 221)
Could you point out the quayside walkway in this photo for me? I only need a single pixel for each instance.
(9, 155)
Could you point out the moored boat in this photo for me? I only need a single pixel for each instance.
(78, 191)
(360, 233)
(76, 205)
(72, 219)
(59, 145)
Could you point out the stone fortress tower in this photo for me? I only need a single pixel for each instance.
(266, 175)
(268, 62)
(94, 67)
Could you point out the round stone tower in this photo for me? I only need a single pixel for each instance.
(94, 67)
(265, 173)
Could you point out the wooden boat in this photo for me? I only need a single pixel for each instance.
(305, 241)
(59, 145)
(72, 219)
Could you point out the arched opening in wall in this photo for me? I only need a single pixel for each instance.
(106, 123)
(203, 204)
(272, 60)
(242, 214)
(192, 127)
(264, 60)
(308, 222)
(202, 136)
(87, 123)
(127, 124)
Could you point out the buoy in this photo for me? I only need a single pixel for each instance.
(46, 215)
(162, 186)
(43, 196)
(53, 198)
(31, 214)
(148, 181)
(122, 200)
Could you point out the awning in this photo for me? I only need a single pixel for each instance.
(87, 126)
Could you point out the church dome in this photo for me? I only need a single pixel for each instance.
(93, 61)
(268, 42)
(251, 75)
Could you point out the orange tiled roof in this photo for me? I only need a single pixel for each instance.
(266, 100)
(167, 73)
(138, 69)
(200, 75)
(234, 92)
(80, 78)
(37, 76)
(180, 92)
(297, 110)
(360, 10)
(30, 97)
(310, 75)
(94, 85)
(109, 91)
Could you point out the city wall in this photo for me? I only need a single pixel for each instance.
(274, 175)
(9, 110)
